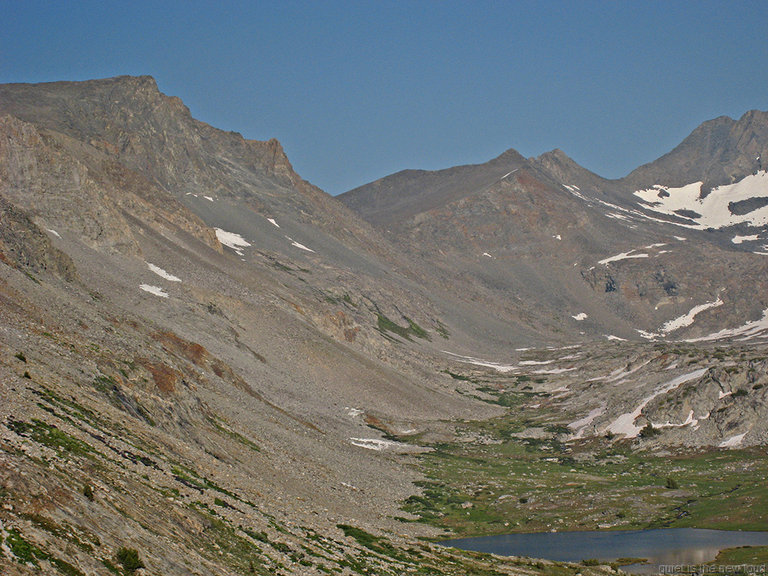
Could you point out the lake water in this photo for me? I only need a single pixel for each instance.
(664, 547)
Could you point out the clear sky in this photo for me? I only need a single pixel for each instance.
(356, 90)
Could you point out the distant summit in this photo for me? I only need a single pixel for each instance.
(720, 151)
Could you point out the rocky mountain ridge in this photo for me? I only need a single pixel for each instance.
(623, 236)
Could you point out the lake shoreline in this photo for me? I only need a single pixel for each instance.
(671, 550)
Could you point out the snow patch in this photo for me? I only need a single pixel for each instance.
(486, 254)
(733, 441)
(619, 374)
(713, 211)
(623, 256)
(232, 240)
(687, 319)
(616, 338)
(580, 316)
(554, 371)
(54, 233)
(580, 425)
(298, 245)
(741, 239)
(557, 237)
(503, 368)
(273, 222)
(680, 321)
(690, 420)
(162, 273)
(156, 290)
(208, 198)
(625, 424)
(372, 443)
(748, 331)
(647, 335)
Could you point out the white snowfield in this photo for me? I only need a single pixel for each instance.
(681, 321)
(714, 209)
(733, 441)
(273, 222)
(687, 319)
(298, 245)
(749, 331)
(575, 190)
(625, 424)
(162, 273)
(372, 443)
(580, 316)
(156, 290)
(232, 240)
(623, 256)
(555, 370)
(741, 239)
(503, 368)
(579, 426)
(647, 335)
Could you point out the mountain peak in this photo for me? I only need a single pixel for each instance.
(719, 151)
(510, 155)
(129, 117)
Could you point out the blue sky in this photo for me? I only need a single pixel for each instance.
(358, 90)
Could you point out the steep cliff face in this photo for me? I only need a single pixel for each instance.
(25, 246)
(128, 120)
(150, 132)
(67, 184)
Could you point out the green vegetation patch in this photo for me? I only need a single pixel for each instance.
(129, 558)
(49, 435)
(741, 556)
(114, 393)
(225, 429)
(221, 541)
(375, 543)
(496, 480)
(27, 553)
(385, 325)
